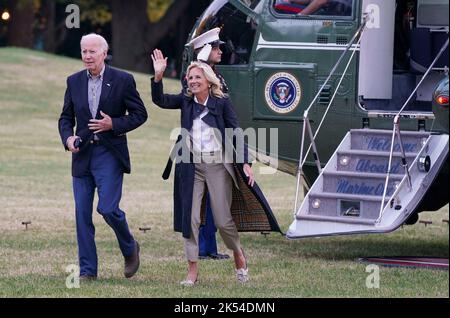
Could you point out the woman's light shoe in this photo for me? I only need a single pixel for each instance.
(242, 275)
(188, 283)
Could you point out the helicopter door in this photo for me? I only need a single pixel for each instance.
(377, 51)
(293, 55)
(238, 28)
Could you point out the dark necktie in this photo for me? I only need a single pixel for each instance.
(198, 109)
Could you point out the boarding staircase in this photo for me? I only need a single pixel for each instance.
(375, 179)
(349, 195)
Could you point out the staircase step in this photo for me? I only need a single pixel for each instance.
(384, 154)
(364, 161)
(358, 183)
(332, 195)
(343, 205)
(388, 132)
(405, 114)
(351, 174)
(380, 140)
(336, 219)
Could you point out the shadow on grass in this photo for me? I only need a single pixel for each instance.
(351, 247)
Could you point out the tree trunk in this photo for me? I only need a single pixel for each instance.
(134, 37)
(128, 23)
(20, 30)
(49, 33)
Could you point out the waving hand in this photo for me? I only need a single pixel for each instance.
(159, 64)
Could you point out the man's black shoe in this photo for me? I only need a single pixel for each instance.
(219, 256)
(203, 257)
(132, 263)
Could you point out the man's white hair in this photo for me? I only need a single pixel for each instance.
(98, 37)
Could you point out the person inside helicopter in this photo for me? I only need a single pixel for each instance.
(315, 7)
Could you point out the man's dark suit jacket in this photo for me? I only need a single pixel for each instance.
(119, 99)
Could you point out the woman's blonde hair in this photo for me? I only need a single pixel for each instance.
(214, 82)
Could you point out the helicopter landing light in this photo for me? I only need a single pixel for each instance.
(442, 100)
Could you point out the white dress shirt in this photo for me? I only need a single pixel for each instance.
(202, 135)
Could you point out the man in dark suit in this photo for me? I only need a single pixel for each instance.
(104, 104)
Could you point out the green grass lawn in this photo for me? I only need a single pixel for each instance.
(35, 185)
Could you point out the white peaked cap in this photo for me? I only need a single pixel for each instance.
(208, 37)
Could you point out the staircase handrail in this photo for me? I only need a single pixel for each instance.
(306, 123)
(396, 132)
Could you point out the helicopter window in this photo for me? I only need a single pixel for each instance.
(314, 7)
(287, 7)
(432, 14)
(252, 4)
(237, 31)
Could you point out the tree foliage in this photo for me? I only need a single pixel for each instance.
(156, 9)
(134, 27)
(96, 12)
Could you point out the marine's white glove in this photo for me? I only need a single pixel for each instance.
(203, 55)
